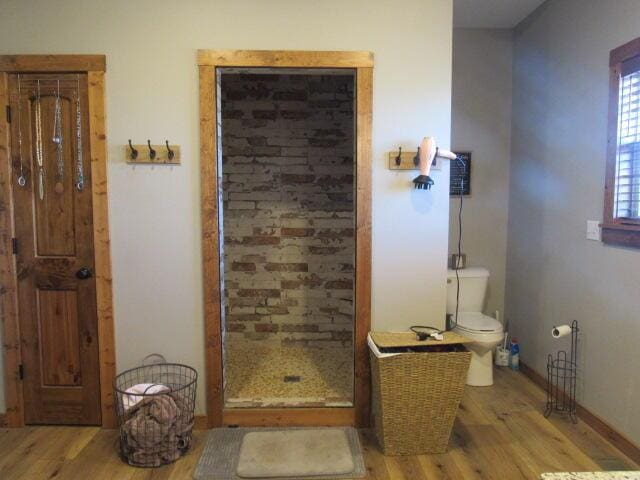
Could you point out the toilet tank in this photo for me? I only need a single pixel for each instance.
(473, 288)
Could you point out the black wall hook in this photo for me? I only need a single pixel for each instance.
(399, 157)
(416, 159)
(152, 152)
(134, 152)
(170, 153)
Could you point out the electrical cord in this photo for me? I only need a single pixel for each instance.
(422, 336)
(454, 321)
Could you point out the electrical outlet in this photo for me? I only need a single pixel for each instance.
(593, 230)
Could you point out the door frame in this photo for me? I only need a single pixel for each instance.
(95, 67)
(208, 62)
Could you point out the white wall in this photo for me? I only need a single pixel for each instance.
(481, 123)
(152, 92)
(554, 274)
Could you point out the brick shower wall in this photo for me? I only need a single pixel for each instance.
(288, 207)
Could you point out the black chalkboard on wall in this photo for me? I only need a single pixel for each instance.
(460, 171)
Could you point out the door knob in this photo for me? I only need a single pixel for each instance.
(83, 273)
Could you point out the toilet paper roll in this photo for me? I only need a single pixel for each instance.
(560, 331)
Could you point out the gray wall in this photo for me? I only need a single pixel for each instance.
(481, 123)
(557, 175)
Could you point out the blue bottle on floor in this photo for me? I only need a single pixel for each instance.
(514, 354)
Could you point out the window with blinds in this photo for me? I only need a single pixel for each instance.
(627, 185)
(621, 214)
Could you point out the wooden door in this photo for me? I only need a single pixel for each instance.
(55, 254)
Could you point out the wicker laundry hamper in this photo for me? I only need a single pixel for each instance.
(155, 408)
(417, 388)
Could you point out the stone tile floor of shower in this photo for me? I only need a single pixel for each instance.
(282, 375)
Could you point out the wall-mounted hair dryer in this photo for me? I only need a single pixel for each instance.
(428, 152)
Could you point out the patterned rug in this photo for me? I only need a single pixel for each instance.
(591, 476)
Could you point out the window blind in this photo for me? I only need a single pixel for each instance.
(627, 185)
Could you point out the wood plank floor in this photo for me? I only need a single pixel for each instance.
(500, 433)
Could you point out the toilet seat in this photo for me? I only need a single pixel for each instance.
(477, 324)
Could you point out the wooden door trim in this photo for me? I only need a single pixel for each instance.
(52, 63)
(102, 244)
(94, 66)
(284, 58)
(364, 117)
(14, 414)
(362, 63)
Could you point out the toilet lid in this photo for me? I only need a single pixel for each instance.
(478, 322)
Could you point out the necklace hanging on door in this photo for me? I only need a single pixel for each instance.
(57, 139)
(22, 181)
(79, 165)
(39, 147)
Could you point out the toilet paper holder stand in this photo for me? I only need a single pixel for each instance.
(562, 377)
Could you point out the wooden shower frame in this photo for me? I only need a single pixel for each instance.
(362, 64)
(95, 67)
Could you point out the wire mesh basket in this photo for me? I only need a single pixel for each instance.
(155, 408)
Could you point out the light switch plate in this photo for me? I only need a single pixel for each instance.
(593, 230)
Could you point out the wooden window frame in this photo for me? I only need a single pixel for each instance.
(616, 231)
(362, 63)
(95, 67)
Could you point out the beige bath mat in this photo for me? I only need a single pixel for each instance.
(281, 454)
(295, 453)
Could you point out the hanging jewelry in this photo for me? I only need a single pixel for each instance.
(79, 165)
(39, 148)
(22, 181)
(57, 139)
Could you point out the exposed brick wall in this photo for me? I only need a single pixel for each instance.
(288, 207)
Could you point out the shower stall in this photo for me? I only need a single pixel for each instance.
(287, 237)
(285, 158)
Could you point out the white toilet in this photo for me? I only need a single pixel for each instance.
(486, 332)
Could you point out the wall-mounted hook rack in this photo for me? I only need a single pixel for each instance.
(408, 161)
(153, 154)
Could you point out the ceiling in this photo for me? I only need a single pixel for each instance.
(492, 13)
